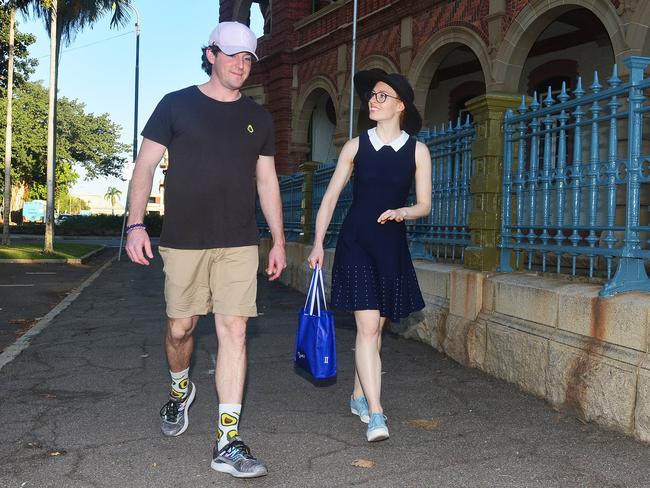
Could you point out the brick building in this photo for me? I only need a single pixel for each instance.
(451, 51)
(557, 339)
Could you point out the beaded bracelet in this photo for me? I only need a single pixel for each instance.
(131, 227)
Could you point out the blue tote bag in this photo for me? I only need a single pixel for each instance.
(315, 350)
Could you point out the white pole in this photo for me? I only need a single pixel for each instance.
(352, 66)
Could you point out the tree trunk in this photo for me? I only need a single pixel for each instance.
(6, 201)
(51, 134)
(18, 192)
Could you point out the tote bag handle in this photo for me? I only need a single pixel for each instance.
(310, 289)
(316, 291)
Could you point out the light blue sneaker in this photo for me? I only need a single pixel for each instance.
(359, 406)
(377, 428)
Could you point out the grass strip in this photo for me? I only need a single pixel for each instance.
(34, 250)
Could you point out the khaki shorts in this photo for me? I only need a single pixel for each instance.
(200, 281)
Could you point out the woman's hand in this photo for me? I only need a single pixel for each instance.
(397, 215)
(316, 257)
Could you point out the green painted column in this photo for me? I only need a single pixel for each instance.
(308, 168)
(485, 185)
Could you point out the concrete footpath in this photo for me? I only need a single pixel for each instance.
(80, 409)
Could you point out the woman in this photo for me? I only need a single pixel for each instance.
(373, 274)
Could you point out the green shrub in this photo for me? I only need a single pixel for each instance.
(105, 225)
(91, 225)
(28, 228)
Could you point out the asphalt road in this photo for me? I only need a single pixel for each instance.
(29, 291)
(80, 409)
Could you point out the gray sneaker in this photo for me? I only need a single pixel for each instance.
(174, 414)
(236, 459)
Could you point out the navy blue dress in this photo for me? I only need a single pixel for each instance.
(372, 266)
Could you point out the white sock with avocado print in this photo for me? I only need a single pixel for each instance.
(180, 383)
(228, 423)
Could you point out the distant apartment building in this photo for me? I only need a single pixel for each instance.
(98, 205)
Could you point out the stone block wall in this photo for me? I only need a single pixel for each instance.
(554, 338)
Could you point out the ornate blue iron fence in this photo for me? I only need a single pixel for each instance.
(291, 194)
(322, 176)
(444, 233)
(291, 191)
(261, 221)
(572, 188)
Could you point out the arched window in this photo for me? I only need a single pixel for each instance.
(322, 123)
(460, 95)
(552, 74)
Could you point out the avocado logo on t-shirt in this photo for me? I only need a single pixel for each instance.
(250, 129)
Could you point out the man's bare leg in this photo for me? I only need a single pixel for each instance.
(231, 455)
(230, 374)
(179, 345)
(179, 342)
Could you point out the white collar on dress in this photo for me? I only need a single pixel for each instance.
(396, 143)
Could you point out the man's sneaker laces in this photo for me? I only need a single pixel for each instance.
(236, 459)
(174, 417)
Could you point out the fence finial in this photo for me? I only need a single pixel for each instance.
(595, 86)
(535, 105)
(579, 92)
(548, 101)
(467, 123)
(522, 108)
(563, 96)
(614, 81)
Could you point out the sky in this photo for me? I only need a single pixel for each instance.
(98, 67)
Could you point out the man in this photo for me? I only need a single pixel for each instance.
(221, 147)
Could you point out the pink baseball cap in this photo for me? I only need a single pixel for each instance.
(233, 38)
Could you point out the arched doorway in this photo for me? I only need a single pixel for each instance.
(576, 42)
(322, 123)
(458, 78)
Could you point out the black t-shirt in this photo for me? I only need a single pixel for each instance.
(210, 184)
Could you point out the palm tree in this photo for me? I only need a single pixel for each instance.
(63, 19)
(112, 195)
(51, 130)
(6, 208)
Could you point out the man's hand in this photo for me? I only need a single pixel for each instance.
(277, 262)
(138, 246)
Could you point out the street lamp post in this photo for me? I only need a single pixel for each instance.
(135, 119)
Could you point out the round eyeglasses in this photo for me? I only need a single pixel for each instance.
(379, 96)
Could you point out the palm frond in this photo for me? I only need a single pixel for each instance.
(75, 15)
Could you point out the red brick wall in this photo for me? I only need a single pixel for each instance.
(324, 65)
(385, 43)
(470, 14)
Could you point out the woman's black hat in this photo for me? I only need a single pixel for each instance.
(365, 81)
